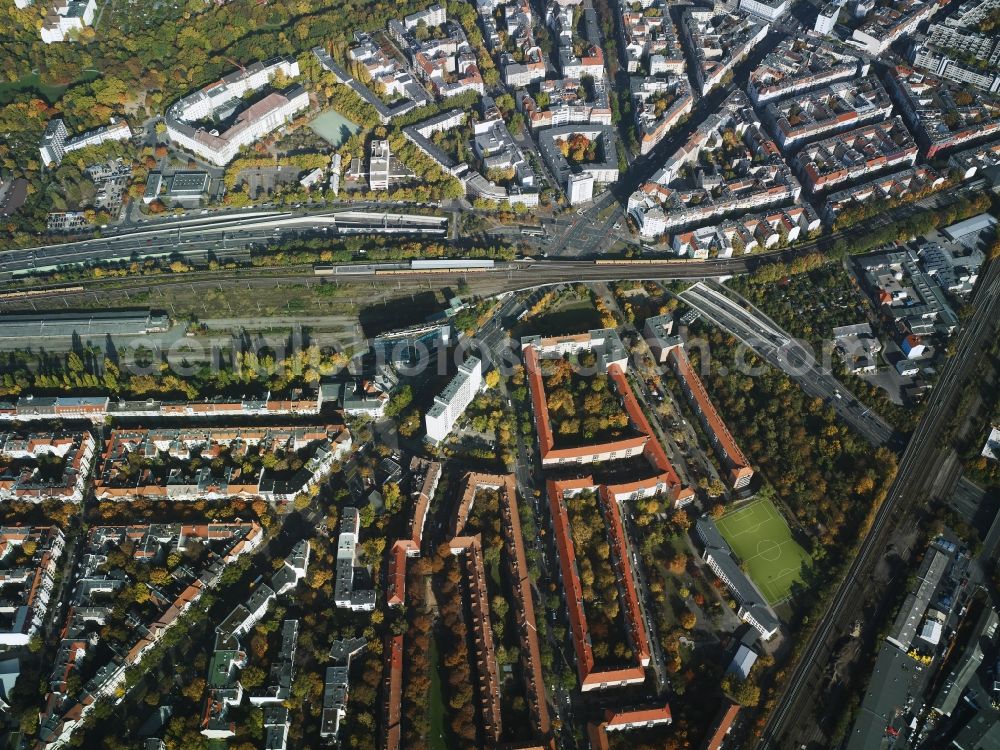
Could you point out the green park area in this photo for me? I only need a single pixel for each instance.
(763, 544)
(435, 739)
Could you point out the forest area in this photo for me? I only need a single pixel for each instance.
(135, 63)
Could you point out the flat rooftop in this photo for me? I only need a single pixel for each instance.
(888, 692)
(188, 182)
(63, 324)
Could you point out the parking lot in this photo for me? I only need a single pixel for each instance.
(262, 180)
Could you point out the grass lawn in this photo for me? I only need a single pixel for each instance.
(436, 741)
(764, 546)
(495, 573)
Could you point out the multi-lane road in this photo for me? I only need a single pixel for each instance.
(733, 313)
(916, 474)
(594, 230)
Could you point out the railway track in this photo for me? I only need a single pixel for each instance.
(917, 470)
(262, 277)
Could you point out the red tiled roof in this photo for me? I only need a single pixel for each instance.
(397, 574)
(738, 465)
(646, 439)
(574, 595)
(653, 450)
(525, 608)
(722, 725)
(598, 736)
(391, 729)
(622, 719)
(486, 663)
(633, 612)
(571, 581)
(524, 605)
(538, 402)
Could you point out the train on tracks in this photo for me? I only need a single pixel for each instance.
(429, 265)
(452, 266)
(38, 293)
(643, 261)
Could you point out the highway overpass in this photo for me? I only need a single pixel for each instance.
(775, 346)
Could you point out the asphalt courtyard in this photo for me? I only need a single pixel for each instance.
(763, 544)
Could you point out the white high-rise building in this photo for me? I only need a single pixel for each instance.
(378, 166)
(55, 144)
(826, 21)
(769, 10)
(67, 16)
(435, 15)
(457, 395)
(580, 188)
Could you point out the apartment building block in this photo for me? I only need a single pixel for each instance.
(611, 356)
(652, 46)
(56, 143)
(601, 171)
(189, 120)
(827, 111)
(21, 475)
(622, 721)
(382, 69)
(718, 40)
(336, 686)
(420, 134)
(801, 64)
(660, 105)
(346, 596)
(591, 677)
(565, 104)
(27, 579)
(896, 187)
(685, 193)
(944, 115)
(884, 25)
(855, 154)
(424, 477)
(760, 231)
(452, 401)
(944, 65)
(723, 442)
(96, 408)
(88, 606)
(116, 480)
(768, 10)
(976, 160)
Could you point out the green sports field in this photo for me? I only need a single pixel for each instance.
(763, 543)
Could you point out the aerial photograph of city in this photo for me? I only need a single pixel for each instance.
(500, 374)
